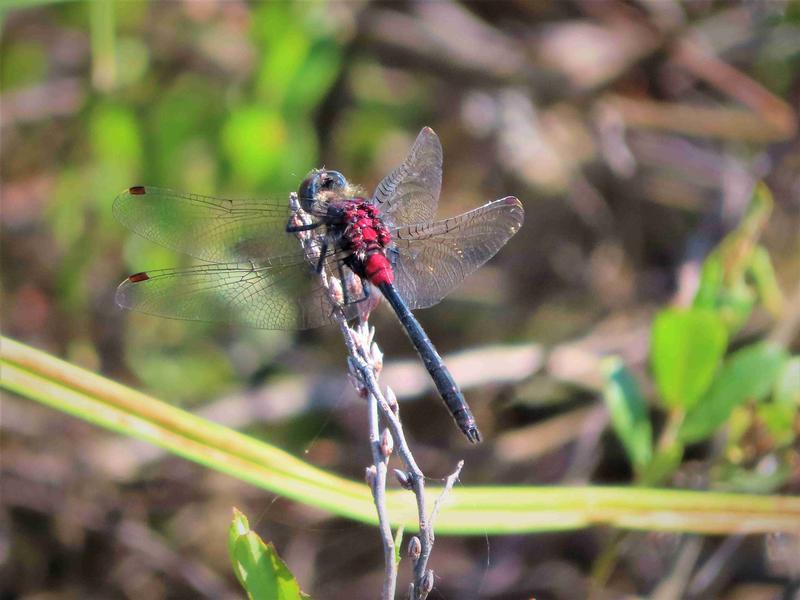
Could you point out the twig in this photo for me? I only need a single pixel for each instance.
(381, 446)
(421, 565)
(365, 359)
(364, 363)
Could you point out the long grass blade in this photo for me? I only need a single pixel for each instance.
(41, 377)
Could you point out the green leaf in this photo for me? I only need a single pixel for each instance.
(711, 281)
(299, 64)
(766, 284)
(320, 69)
(751, 481)
(724, 286)
(665, 462)
(24, 64)
(254, 139)
(686, 347)
(740, 421)
(787, 385)
(628, 411)
(748, 374)
(733, 301)
(779, 422)
(115, 136)
(257, 565)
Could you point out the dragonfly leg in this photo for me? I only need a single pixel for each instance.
(322, 252)
(365, 294)
(298, 228)
(392, 254)
(345, 298)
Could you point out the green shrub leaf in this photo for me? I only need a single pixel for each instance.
(765, 281)
(724, 283)
(686, 347)
(778, 419)
(748, 374)
(257, 565)
(665, 462)
(787, 385)
(628, 411)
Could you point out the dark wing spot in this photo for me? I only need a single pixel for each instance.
(136, 278)
(137, 190)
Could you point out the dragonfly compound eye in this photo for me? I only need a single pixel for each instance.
(321, 181)
(332, 181)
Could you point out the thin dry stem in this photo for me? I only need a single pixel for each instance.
(365, 362)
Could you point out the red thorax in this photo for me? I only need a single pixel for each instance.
(368, 237)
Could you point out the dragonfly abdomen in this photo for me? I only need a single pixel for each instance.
(442, 379)
(377, 269)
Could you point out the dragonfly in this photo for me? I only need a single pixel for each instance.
(253, 269)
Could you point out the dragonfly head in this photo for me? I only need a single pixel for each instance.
(319, 187)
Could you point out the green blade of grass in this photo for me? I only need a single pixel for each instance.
(467, 510)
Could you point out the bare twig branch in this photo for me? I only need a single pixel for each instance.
(365, 362)
(364, 365)
(421, 564)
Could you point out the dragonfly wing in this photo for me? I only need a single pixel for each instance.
(433, 258)
(275, 296)
(410, 193)
(208, 228)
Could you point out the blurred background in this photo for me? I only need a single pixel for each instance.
(633, 132)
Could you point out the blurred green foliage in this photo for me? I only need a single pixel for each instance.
(739, 272)
(257, 566)
(748, 374)
(142, 122)
(700, 391)
(686, 346)
(23, 63)
(628, 410)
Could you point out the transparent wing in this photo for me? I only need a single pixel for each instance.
(208, 228)
(285, 296)
(433, 258)
(410, 193)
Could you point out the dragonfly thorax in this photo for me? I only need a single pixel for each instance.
(366, 236)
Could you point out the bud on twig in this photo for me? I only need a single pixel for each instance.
(377, 358)
(427, 583)
(335, 285)
(353, 285)
(387, 443)
(403, 479)
(391, 400)
(354, 375)
(355, 332)
(370, 475)
(414, 548)
(360, 390)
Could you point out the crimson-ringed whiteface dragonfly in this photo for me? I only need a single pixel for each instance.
(256, 272)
